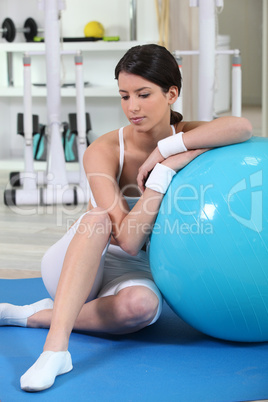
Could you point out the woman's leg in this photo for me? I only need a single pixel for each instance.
(51, 267)
(77, 278)
(127, 300)
(11, 314)
(78, 275)
(129, 310)
(125, 304)
(53, 260)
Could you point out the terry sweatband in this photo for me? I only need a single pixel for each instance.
(171, 145)
(160, 178)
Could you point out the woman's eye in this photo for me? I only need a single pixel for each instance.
(126, 97)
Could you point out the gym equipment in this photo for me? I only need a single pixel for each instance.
(69, 143)
(236, 78)
(30, 30)
(58, 188)
(208, 252)
(31, 194)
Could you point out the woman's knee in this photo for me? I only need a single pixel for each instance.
(138, 305)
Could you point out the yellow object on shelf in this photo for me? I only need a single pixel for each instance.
(94, 29)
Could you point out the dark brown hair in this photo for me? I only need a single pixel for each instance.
(156, 64)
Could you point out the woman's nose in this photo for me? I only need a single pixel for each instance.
(134, 104)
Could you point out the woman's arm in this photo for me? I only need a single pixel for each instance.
(129, 228)
(197, 135)
(216, 133)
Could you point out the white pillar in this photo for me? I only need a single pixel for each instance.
(80, 100)
(27, 101)
(236, 86)
(81, 119)
(56, 160)
(207, 47)
(29, 182)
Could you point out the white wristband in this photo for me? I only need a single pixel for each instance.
(160, 178)
(171, 145)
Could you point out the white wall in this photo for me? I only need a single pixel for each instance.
(242, 20)
(184, 36)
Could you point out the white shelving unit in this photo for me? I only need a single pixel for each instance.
(90, 92)
(85, 46)
(101, 93)
(91, 52)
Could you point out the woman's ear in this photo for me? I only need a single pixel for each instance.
(173, 94)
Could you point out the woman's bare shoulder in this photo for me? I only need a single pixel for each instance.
(104, 142)
(103, 151)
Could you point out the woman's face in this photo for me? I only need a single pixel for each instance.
(143, 102)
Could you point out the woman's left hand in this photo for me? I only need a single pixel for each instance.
(154, 158)
(175, 162)
(179, 161)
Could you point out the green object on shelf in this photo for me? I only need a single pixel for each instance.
(38, 39)
(111, 38)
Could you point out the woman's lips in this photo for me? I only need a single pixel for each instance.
(137, 120)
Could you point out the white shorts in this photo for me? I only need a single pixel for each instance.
(117, 270)
(122, 270)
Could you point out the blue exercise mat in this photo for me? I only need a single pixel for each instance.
(168, 361)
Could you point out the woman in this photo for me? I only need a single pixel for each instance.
(99, 272)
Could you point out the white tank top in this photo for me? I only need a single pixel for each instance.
(130, 200)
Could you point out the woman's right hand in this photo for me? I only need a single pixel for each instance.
(145, 169)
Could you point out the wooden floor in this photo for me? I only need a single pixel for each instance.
(27, 232)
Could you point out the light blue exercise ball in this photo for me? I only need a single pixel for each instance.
(209, 246)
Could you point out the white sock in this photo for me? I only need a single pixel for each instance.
(18, 315)
(43, 372)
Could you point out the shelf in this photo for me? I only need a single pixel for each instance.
(98, 46)
(91, 91)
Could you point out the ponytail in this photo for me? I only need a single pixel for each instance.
(175, 117)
